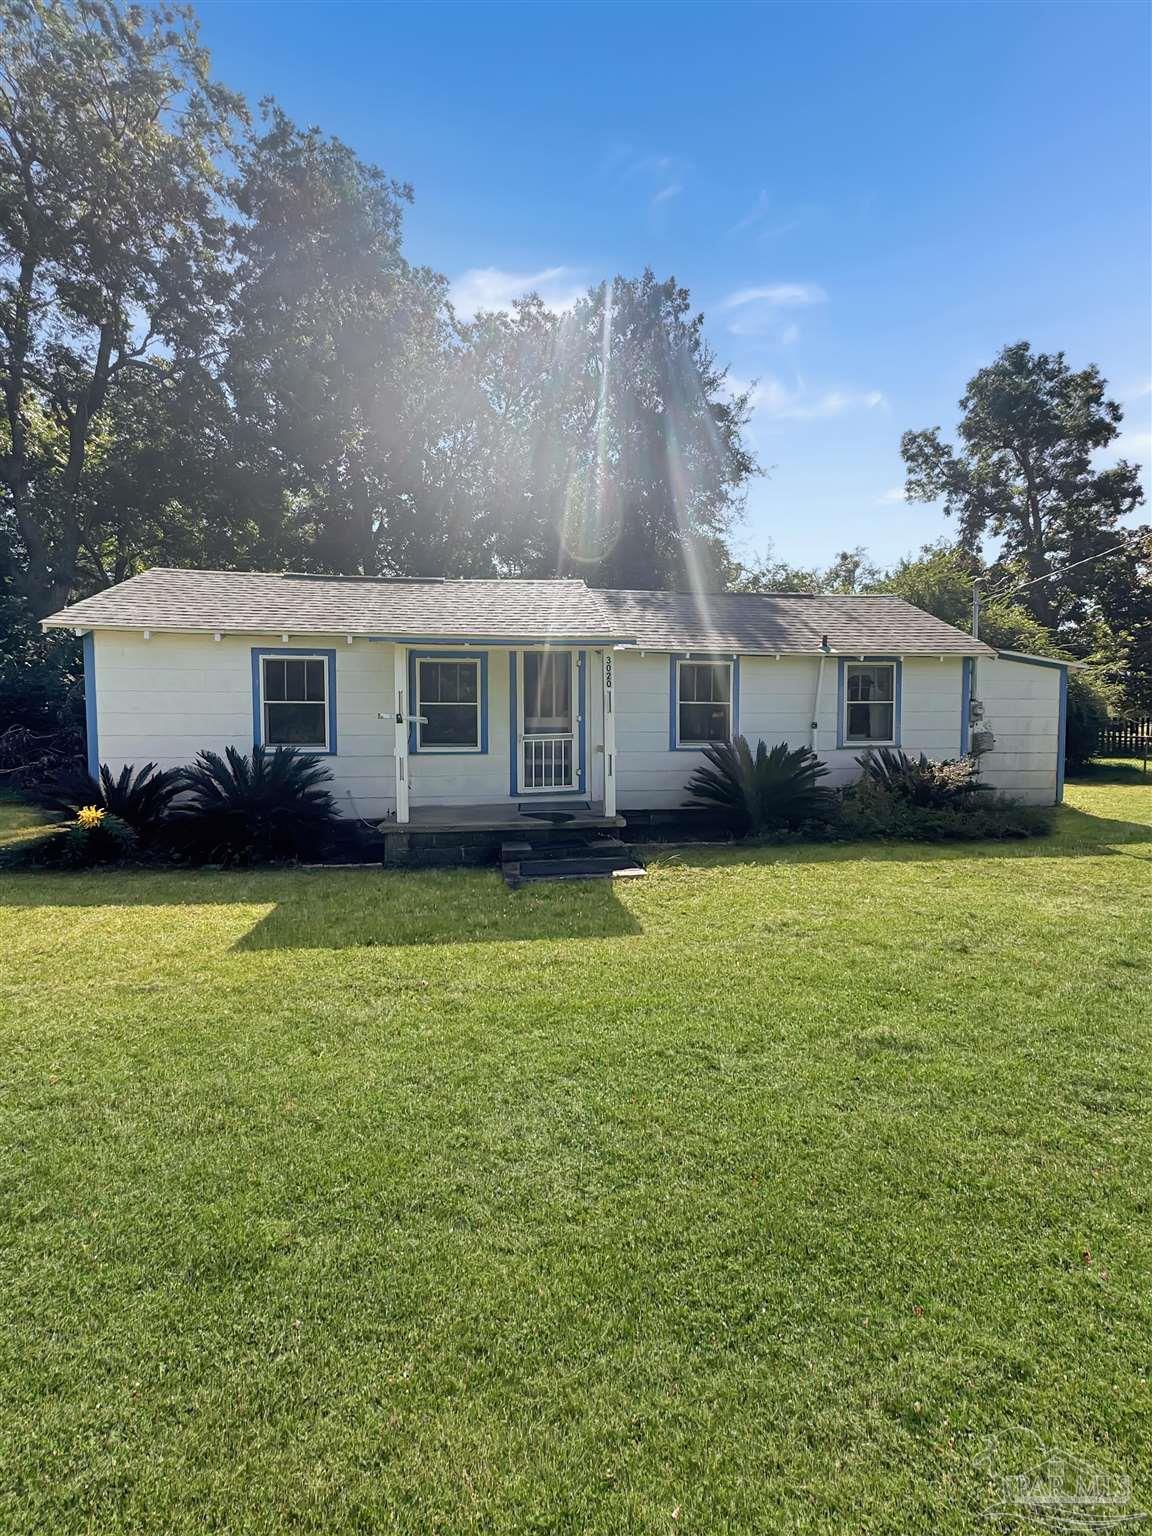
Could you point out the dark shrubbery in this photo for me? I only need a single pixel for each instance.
(922, 781)
(141, 797)
(248, 810)
(868, 811)
(772, 790)
(775, 794)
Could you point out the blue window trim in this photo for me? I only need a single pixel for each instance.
(90, 731)
(258, 654)
(674, 743)
(414, 702)
(966, 705)
(581, 731)
(841, 692)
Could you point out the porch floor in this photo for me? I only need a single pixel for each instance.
(510, 815)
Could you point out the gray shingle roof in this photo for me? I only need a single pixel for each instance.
(780, 623)
(268, 603)
(167, 599)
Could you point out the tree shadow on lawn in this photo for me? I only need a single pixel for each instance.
(347, 909)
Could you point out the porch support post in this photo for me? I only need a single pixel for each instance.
(608, 675)
(401, 712)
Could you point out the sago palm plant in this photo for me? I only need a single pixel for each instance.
(140, 797)
(242, 810)
(773, 788)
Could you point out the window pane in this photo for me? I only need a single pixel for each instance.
(448, 682)
(870, 722)
(704, 722)
(314, 681)
(705, 682)
(872, 683)
(294, 725)
(273, 679)
(547, 691)
(450, 725)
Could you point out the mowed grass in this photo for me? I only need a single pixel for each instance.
(750, 1197)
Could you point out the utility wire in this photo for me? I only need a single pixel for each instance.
(1063, 571)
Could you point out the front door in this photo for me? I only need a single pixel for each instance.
(547, 724)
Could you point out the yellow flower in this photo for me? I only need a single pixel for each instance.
(90, 816)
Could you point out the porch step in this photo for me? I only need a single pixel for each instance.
(576, 857)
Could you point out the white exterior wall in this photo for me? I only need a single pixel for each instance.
(169, 697)
(776, 701)
(165, 699)
(1022, 709)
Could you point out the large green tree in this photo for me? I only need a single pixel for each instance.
(112, 246)
(603, 442)
(333, 349)
(1027, 471)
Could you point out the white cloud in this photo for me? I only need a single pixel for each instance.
(491, 288)
(673, 189)
(773, 398)
(789, 335)
(776, 296)
(894, 496)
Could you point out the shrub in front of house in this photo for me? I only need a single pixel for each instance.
(237, 809)
(922, 781)
(142, 798)
(772, 790)
(92, 837)
(867, 811)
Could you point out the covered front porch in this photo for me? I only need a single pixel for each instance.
(504, 738)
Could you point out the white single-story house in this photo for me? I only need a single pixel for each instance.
(429, 696)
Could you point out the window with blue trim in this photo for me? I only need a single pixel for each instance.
(703, 702)
(294, 701)
(448, 702)
(869, 702)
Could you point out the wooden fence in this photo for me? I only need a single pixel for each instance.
(1126, 738)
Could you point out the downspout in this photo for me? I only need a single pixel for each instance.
(824, 653)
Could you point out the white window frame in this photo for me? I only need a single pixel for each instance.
(311, 746)
(435, 746)
(870, 741)
(703, 661)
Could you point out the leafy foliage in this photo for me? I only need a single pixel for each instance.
(774, 788)
(242, 810)
(1088, 711)
(922, 781)
(869, 812)
(142, 798)
(105, 839)
(1025, 472)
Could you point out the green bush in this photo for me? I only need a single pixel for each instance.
(249, 810)
(869, 810)
(922, 781)
(1088, 711)
(774, 789)
(141, 797)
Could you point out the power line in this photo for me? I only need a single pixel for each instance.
(977, 596)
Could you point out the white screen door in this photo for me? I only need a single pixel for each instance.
(547, 724)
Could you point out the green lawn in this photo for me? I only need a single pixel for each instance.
(750, 1197)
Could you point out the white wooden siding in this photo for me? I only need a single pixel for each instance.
(1022, 709)
(167, 698)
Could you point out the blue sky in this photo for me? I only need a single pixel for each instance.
(866, 200)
